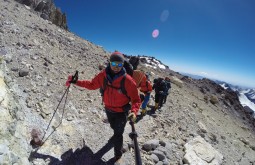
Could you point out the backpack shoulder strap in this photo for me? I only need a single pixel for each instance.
(102, 89)
(122, 85)
(105, 83)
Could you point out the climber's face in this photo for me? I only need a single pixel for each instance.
(116, 66)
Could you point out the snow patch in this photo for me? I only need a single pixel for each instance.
(224, 86)
(245, 101)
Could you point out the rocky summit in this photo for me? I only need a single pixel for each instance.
(201, 122)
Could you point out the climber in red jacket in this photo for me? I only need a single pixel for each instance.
(118, 90)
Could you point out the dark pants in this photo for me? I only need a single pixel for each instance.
(159, 99)
(117, 122)
(164, 99)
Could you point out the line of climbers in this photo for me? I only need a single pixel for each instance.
(144, 85)
(161, 87)
(123, 91)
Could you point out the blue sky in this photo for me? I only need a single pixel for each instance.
(213, 38)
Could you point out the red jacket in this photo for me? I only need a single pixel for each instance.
(145, 85)
(113, 99)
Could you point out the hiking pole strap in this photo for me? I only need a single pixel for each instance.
(133, 135)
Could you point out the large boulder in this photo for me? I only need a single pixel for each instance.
(198, 151)
(176, 81)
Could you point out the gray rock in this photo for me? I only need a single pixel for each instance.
(162, 143)
(151, 145)
(198, 151)
(166, 162)
(159, 154)
(14, 69)
(23, 72)
(27, 2)
(40, 6)
(13, 158)
(154, 158)
(160, 163)
(3, 52)
(3, 149)
(44, 16)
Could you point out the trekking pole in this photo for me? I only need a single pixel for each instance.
(133, 135)
(42, 141)
(74, 78)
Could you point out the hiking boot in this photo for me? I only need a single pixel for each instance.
(143, 113)
(118, 160)
(156, 106)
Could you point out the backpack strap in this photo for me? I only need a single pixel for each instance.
(122, 87)
(102, 88)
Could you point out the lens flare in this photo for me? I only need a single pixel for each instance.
(164, 15)
(155, 33)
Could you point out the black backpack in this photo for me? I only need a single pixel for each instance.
(168, 83)
(158, 81)
(163, 86)
(160, 85)
(134, 61)
(155, 80)
(128, 67)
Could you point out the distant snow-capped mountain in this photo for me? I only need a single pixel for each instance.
(246, 96)
(250, 93)
(152, 62)
(148, 61)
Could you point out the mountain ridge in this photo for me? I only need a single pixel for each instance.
(47, 10)
(248, 92)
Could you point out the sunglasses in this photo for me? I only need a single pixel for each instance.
(114, 64)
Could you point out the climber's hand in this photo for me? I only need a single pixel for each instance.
(132, 116)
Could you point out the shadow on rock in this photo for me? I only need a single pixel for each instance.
(83, 156)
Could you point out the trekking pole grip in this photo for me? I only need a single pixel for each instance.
(75, 77)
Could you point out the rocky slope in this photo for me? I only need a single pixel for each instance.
(201, 123)
(47, 10)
